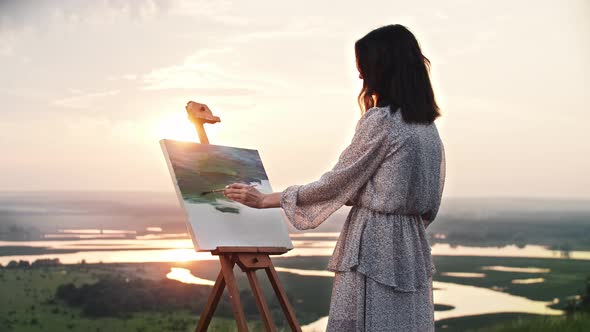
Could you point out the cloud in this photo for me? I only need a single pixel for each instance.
(187, 75)
(200, 71)
(441, 15)
(23, 18)
(125, 77)
(218, 70)
(6, 49)
(22, 13)
(15, 15)
(294, 28)
(83, 100)
(219, 11)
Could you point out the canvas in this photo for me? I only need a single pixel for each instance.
(213, 219)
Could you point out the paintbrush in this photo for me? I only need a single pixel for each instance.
(213, 191)
(221, 190)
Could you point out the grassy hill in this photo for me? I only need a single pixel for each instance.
(574, 323)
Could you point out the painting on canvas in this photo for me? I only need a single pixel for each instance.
(213, 219)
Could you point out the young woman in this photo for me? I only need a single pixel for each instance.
(392, 174)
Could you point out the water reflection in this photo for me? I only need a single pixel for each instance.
(317, 326)
(84, 236)
(308, 273)
(87, 244)
(516, 269)
(185, 276)
(464, 274)
(472, 300)
(141, 242)
(528, 281)
(172, 247)
(96, 231)
(144, 255)
(530, 251)
(119, 256)
(162, 236)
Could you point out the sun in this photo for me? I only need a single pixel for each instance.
(176, 126)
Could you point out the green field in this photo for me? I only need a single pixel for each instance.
(575, 323)
(28, 302)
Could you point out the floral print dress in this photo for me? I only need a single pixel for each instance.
(392, 174)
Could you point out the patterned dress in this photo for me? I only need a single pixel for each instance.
(392, 174)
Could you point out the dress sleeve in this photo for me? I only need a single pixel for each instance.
(307, 206)
(429, 216)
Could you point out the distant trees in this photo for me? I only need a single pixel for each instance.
(19, 264)
(46, 262)
(36, 264)
(119, 297)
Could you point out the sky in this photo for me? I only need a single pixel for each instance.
(87, 89)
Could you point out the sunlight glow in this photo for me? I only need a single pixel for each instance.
(182, 255)
(176, 126)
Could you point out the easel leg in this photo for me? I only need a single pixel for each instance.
(209, 310)
(227, 266)
(260, 302)
(249, 259)
(282, 296)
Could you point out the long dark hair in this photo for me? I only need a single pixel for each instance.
(394, 69)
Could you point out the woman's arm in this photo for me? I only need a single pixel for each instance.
(250, 196)
(428, 217)
(307, 206)
(272, 200)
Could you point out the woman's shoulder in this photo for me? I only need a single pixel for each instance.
(371, 119)
(377, 114)
(382, 117)
(378, 110)
(391, 120)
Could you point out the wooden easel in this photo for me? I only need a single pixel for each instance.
(249, 259)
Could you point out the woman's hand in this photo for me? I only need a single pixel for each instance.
(245, 194)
